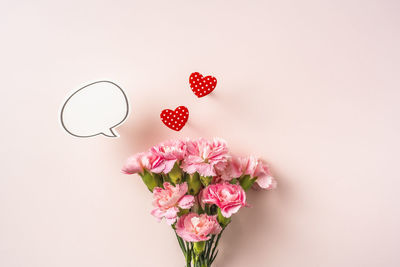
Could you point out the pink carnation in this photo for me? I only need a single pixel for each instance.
(259, 169)
(236, 167)
(255, 167)
(203, 156)
(265, 182)
(193, 227)
(168, 201)
(151, 161)
(228, 197)
(134, 164)
(169, 152)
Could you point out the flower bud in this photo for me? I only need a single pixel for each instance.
(151, 180)
(175, 174)
(199, 247)
(205, 180)
(246, 182)
(194, 184)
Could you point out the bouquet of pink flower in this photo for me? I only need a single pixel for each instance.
(197, 186)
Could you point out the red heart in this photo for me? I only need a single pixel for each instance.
(175, 119)
(202, 86)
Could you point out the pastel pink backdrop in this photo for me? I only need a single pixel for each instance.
(312, 86)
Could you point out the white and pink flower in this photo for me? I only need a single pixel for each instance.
(159, 159)
(204, 156)
(193, 227)
(235, 168)
(134, 164)
(228, 197)
(170, 152)
(250, 165)
(169, 199)
(259, 169)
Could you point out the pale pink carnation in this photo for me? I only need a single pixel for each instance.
(149, 161)
(236, 167)
(168, 201)
(259, 169)
(250, 165)
(134, 164)
(228, 197)
(203, 156)
(265, 182)
(170, 152)
(144, 161)
(193, 227)
(153, 162)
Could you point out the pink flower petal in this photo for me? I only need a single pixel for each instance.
(267, 182)
(186, 202)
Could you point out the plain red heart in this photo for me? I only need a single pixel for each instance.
(175, 119)
(202, 86)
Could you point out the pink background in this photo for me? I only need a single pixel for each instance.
(312, 86)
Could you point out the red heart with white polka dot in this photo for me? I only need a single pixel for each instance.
(202, 86)
(175, 119)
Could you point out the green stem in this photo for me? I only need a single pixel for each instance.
(188, 256)
(207, 257)
(213, 255)
(209, 245)
(181, 244)
(213, 258)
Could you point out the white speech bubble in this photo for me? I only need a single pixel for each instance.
(95, 109)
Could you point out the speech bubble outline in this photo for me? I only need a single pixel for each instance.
(110, 131)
